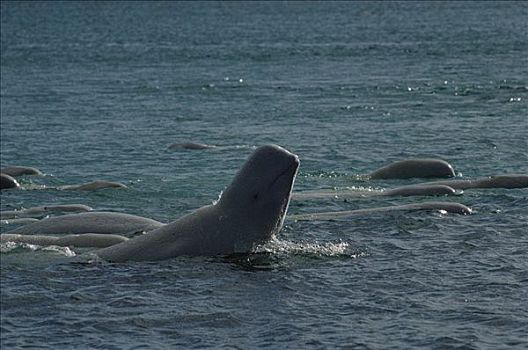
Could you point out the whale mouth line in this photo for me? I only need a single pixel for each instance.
(290, 169)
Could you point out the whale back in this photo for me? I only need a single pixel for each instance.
(421, 190)
(496, 181)
(410, 168)
(258, 197)
(89, 222)
(20, 170)
(505, 181)
(7, 181)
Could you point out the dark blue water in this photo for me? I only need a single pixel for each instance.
(98, 90)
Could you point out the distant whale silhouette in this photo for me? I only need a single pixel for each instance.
(190, 145)
(410, 168)
(92, 186)
(249, 212)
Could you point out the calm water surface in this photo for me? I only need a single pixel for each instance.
(98, 90)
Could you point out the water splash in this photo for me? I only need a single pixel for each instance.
(337, 193)
(17, 247)
(326, 249)
(215, 201)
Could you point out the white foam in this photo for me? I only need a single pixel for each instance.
(329, 249)
(7, 247)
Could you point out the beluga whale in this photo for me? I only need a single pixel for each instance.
(190, 145)
(250, 211)
(7, 181)
(410, 168)
(20, 170)
(89, 222)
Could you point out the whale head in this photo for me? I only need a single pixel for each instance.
(257, 199)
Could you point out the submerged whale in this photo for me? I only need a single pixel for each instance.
(190, 145)
(92, 186)
(420, 190)
(410, 168)
(249, 212)
(436, 188)
(43, 210)
(497, 181)
(89, 222)
(15, 221)
(85, 240)
(403, 191)
(449, 207)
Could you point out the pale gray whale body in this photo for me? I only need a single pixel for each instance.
(20, 170)
(89, 222)
(449, 207)
(498, 181)
(7, 181)
(43, 210)
(410, 168)
(404, 191)
(85, 240)
(437, 188)
(92, 186)
(190, 145)
(250, 212)
(420, 190)
(19, 221)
